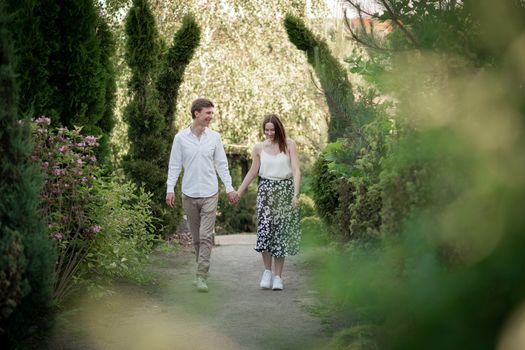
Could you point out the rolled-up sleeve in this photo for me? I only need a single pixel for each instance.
(221, 164)
(175, 164)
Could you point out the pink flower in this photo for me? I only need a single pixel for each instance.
(45, 165)
(41, 130)
(93, 230)
(63, 149)
(90, 140)
(57, 236)
(93, 158)
(58, 172)
(43, 121)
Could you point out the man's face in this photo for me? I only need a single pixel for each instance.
(204, 116)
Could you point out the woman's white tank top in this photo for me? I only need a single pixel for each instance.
(275, 166)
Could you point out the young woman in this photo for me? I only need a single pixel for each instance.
(278, 233)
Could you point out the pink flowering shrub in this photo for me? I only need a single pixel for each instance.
(102, 227)
(69, 166)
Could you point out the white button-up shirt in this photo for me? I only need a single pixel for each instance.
(200, 158)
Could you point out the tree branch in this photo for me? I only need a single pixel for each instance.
(369, 43)
(360, 10)
(397, 21)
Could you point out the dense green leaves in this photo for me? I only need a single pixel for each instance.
(178, 57)
(150, 112)
(437, 186)
(65, 68)
(26, 255)
(333, 77)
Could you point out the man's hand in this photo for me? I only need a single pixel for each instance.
(170, 199)
(233, 197)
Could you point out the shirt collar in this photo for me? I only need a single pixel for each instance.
(189, 133)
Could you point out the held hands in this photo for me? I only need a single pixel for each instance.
(233, 197)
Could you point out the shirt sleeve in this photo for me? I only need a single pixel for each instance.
(175, 164)
(221, 164)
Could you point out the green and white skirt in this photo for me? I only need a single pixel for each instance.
(278, 229)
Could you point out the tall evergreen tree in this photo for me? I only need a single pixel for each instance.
(26, 254)
(63, 64)
(333, 77)
(185, 42)
(107, 53)
(146, 160)
(37, 40)
(348, 118)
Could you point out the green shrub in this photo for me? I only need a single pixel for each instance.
(125, 218)
(240, 217)
(314, 231)
(325, 187)
(306, 206)
(69, 165)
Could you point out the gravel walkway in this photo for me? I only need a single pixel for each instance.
(235, 314)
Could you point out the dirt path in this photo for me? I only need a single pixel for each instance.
(235, 314)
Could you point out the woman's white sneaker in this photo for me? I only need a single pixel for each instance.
(266, 280)
(277, 283)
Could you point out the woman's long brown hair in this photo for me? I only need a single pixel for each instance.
(280, 134)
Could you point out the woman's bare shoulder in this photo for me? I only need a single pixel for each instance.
(258, 147)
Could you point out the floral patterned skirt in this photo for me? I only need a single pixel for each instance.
(278, 230)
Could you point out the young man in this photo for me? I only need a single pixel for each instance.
(199, 150)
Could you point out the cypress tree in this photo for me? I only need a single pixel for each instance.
(63, 64)
(185, 42)
(37, 40)
(331, 74)
(146, 160)
(26, 254)
(107, 52)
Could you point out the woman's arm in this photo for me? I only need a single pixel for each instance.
(296, 172)
(254, 169)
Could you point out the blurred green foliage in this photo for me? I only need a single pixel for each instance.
(26, 254)
(435, 189)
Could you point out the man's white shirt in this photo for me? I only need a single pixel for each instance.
(202, 159)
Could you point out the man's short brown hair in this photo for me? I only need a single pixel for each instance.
(199, 104)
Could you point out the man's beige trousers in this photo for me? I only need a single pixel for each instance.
(201, 213)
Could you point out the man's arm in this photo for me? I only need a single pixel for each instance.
(174, 168)
(221, 164)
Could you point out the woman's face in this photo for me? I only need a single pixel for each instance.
(269, 131)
